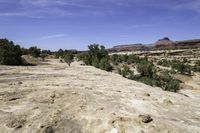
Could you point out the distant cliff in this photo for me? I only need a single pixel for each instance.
(129, 47)
(164, 43)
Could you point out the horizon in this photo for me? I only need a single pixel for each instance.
(74, 24)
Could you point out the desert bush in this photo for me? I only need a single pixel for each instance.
(164, 63)
(85, 57)
(146, 80)
(105, 64)
(172, 85)
(44, 54)
(10, 54)
(133, 59)
(115, 59)
(124, 58)
(24, 51)
(68, 57)
(196, 67)
(126, 72)
(59, 53)
(129, 59)
(146, 68)
(166, 82)
(181, 67)
(197, 63)
(34, 51)
(97, 56)
(148, 74)
(185, 60)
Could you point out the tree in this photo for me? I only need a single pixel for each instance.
(10, 54)
(68, 58)
(97, 52)
(43, 56)
(97, 56)
(34, 51)
(59, 53)
(45, 53)
(24, 51)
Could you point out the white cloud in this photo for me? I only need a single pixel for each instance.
(193, 5)
(49, 8)
(46, 3)
(52, 36)
(43, 38)
(63, 8)
(12, 14)
(141, 26)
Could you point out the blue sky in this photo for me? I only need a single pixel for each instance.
(74, 24)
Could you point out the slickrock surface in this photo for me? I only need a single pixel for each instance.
(82, 99)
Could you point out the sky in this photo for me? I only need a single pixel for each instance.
(74, 24)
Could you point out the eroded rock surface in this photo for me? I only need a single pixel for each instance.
(56, 98)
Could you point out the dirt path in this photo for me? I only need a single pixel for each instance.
(82, 99)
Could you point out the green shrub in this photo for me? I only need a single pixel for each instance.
(150, 76)
(129, 59)
(85, 57)
(164, 63)
(68, 58)
(59, 53)
(148, 81)
(166, 82)
(146, 68)
(44, 54)
(115, 59)
(10, 54)
(34, 51)
(105, 64)
(198, 63)
(173, 85)
(97, 56)
(24, 51)
(196, 67)
(181, 67)
(95, 63)
(133, 59)
(124, 58)
(125, 71)
(185, 60)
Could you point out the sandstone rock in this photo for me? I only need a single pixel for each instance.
(146, 118)
(48, 129)
(19, 83)
(147, 94)
(167, 102)
(165, 42)
(16, 123)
